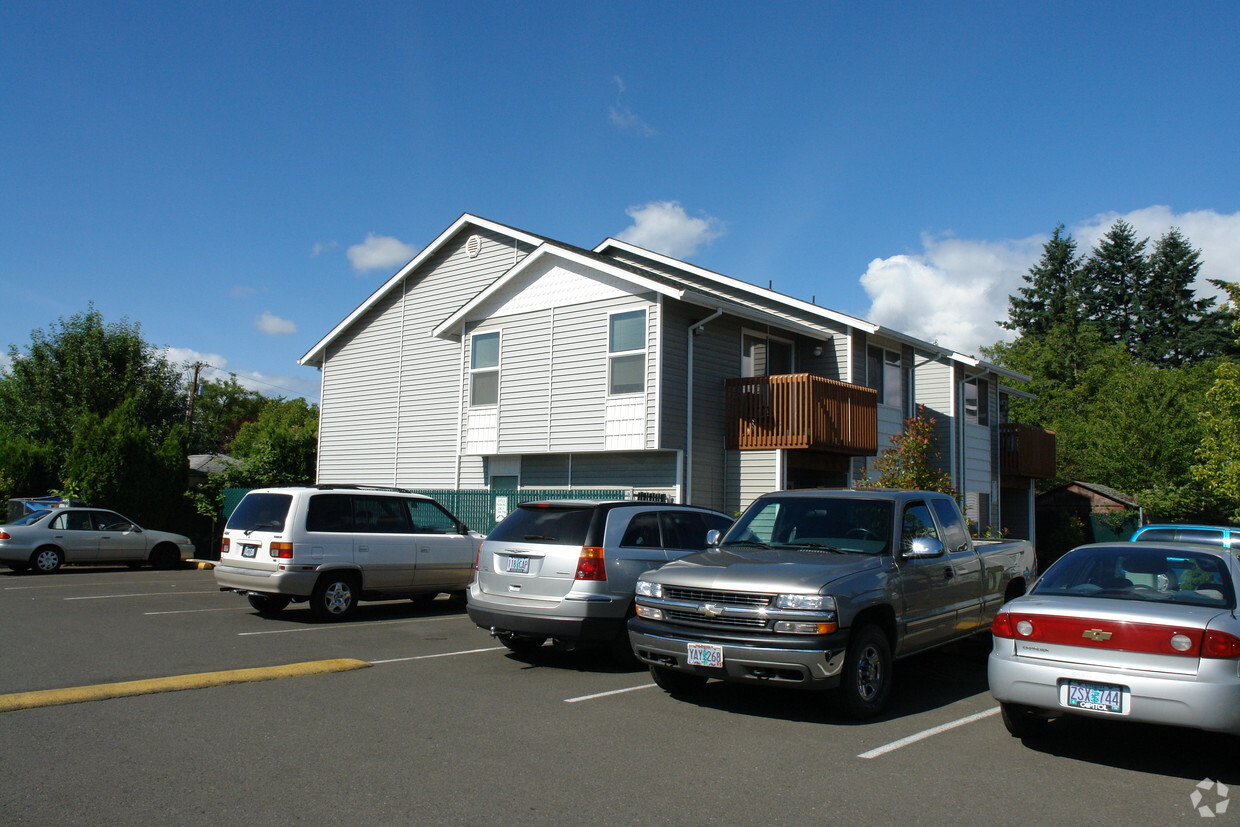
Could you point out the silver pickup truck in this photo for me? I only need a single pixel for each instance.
(823, 589)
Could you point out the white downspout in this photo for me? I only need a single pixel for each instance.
(693, 330)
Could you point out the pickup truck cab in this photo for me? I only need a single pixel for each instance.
(823, 589)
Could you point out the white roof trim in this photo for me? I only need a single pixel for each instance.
(315, 354)
(446, 328)
(737, 284)
(841, 318)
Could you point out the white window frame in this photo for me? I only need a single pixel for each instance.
(615, 355)
(477, 371)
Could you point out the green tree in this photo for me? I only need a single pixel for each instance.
(79, 370)
(1054, 290)
(279, 448)
(1175, 327)
(1116, 277)
(1216, 468)
(912, 461)
(220, 409)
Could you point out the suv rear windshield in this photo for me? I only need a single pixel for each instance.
(545, 524)
(261, 511)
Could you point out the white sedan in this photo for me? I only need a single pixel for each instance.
(1131, 631)
(45, 540)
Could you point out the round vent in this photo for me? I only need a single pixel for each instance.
(474, 246)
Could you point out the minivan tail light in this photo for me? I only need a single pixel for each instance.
(590, 565)
(224, 545)
(283, 551)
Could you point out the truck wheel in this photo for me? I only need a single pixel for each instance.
(676, 683)
(866, 680)
(334, 597)
(1021, 721)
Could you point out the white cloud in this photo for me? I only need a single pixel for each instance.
(321, 246)
(665, 227)
(6, 362)
(622, 117)
(379, 252)
(241, 291)
(215, 369)
(273, 325)
(955, 291)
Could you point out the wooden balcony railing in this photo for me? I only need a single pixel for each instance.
(800, 410)
(1025, 451)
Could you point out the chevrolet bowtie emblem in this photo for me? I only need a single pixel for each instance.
(1096, 634)
(710, 610)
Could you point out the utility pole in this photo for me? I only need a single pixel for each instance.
(193, 392)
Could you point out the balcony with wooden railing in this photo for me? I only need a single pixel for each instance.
(1025, 451)
(800, 410)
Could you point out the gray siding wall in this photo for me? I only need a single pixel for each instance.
(717, 358)
(753, 473)
(390, 390)
(933, 391)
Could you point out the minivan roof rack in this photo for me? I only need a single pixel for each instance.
(356, 487)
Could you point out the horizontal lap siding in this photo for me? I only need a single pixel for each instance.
(933, 394)
(383, 428)
(716, 358)
(756, 473)
(525, 381)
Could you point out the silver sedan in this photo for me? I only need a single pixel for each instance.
(1130, 631)
(45, 540)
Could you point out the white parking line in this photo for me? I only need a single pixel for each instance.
(440, 655)
(366, 623)
(605, 694)
(195, 611)
(144, 594)
(920, 736)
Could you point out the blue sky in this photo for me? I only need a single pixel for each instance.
(237, 177)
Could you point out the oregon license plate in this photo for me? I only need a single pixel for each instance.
(1097, 697)
(249, 551)
(517, 565)
(705, 654)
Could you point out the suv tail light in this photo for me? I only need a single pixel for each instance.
(478, 555)
(283, 551)
(590, 565)
(224, 545)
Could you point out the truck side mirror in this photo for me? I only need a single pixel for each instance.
(924, 547)
(713, 536)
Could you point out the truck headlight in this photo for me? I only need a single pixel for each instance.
(810, 602)
(647, 589)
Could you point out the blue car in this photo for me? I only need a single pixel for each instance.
(1219, 536)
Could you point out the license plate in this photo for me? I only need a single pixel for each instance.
(705, 654)
(518, 565)
(249, 551)
(1097, 697)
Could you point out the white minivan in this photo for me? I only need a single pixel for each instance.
(333, 545)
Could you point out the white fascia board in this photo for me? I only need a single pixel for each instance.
(751, 313)
(446, 328)
(1016, 392)
(737, 284)
(314, 356)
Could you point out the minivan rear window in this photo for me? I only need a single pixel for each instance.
(261, 512)
(542, 524)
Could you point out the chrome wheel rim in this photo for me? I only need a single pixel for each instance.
(869, 673)
(338, 597)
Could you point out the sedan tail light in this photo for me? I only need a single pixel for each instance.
(590, 565)
(1220, 645)
(1001, 626)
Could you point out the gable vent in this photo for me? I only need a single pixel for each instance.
(473, 246)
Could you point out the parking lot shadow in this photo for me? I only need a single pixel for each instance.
(1158, 750)
(584, 659)
(371, 612)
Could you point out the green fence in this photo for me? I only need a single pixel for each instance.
(482, 509)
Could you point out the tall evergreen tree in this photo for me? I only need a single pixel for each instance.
(1116, 277)
(1170, 329)
(1053, 292)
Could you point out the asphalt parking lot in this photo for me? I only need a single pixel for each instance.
(445, 726)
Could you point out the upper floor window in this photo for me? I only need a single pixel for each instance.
(883, 373)
(763, 355)
(484, 369)
(626, 348)
(977, 401)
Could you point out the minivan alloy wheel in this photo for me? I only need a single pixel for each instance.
(334, 598)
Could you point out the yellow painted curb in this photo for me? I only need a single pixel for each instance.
(175, 683)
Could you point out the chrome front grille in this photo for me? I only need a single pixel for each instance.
(712, 596)
(702, 620)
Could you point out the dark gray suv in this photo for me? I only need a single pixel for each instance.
(567, 569)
